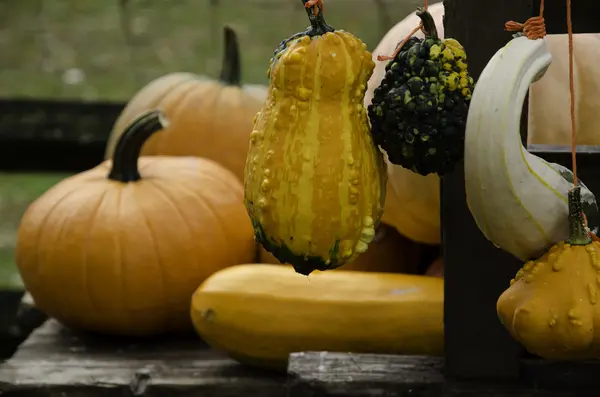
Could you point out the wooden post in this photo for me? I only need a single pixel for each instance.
(476, 273)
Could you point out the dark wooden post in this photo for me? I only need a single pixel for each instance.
(477, 346)
(476, 273)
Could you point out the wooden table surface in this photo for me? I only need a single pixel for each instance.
(56, 362)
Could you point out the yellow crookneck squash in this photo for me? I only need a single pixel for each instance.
(208, 118)
(259, 314)
(120, 248)
(552, 305)
(314, 180)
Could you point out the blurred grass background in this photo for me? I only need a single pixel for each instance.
(108, 49)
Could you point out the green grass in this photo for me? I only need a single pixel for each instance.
(16, 192)
(43, 42)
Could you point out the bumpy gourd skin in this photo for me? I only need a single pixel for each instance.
(418, 113)
(552, 305)
(315, 181)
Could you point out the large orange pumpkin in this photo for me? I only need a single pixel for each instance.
(120, 250)
(208, 118)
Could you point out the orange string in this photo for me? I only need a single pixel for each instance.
(573, 123)
(315, 4)
(401, 44)
(572, 92)
(534, 28)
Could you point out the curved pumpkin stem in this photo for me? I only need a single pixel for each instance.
(127, 152)
(231, 67)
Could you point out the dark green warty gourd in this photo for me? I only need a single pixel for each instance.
(419, 111)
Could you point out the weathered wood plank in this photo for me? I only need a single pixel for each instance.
(321, 374)
(54, 360)
(324, 374)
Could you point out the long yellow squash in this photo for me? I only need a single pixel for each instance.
(314, 180)
(259, 314)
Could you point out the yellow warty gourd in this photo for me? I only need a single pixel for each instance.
(552, 305)
(259, 314)
(314, 180)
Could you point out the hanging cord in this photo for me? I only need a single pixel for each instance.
(534, 28)
(401, 44)
(572, 92)
(572, 109)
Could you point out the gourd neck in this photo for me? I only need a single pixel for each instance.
(578, 234)
(318, 26)
(127, 151)
(231, 67)
(428, 23)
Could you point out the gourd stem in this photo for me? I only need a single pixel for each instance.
(318, 26)
(428, 23)
(578, 234)
(231, 68)
(127, 152)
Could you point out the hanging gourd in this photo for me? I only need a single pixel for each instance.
(518, 200)
(120, 248)
(551, 306)
(315, 181)
(208, 118)
(412, 203)
(418, 112)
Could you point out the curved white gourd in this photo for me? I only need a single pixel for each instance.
(518, 200)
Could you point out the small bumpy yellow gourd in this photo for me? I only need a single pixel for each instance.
(314, 180)
(552, 306)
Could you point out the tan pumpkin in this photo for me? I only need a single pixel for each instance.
(388, 252)
(120, 250)
(549, 107)
(209, 118)
(412, 205)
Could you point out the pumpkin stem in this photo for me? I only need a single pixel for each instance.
(125, 158)
(578, 234)
(231, 67)
(428, 23)
(318, 26)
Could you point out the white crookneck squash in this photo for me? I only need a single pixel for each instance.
(518, 200)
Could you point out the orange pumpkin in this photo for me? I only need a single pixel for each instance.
(388, 252)
(209, 118)
(120, 250)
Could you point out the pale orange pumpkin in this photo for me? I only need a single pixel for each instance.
(120, 250)
(388, 252)
(208, 118)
